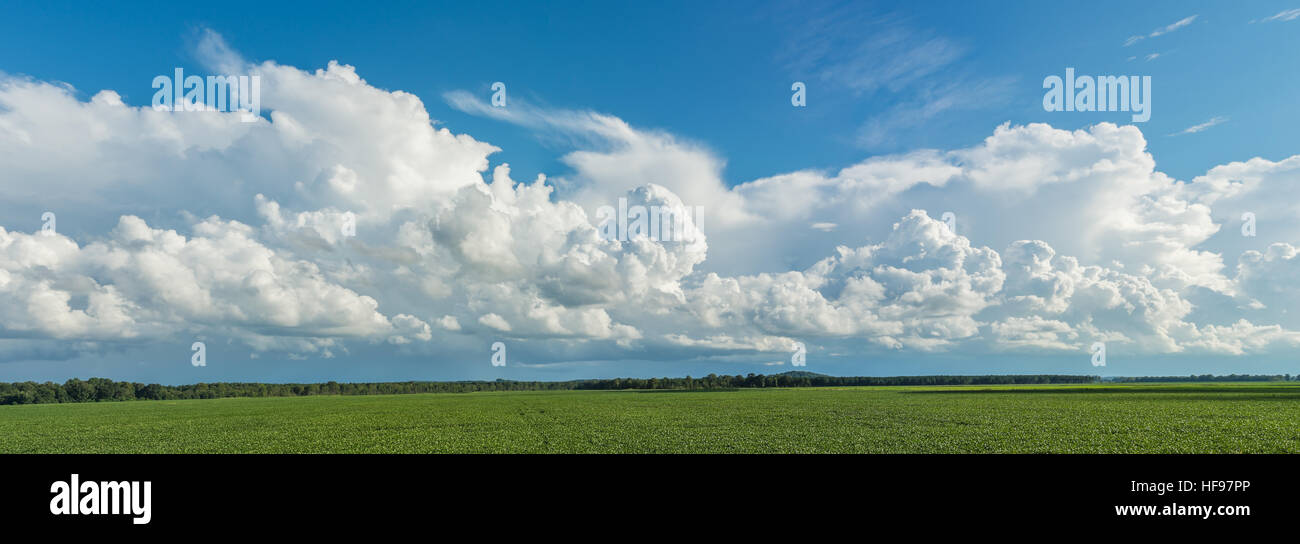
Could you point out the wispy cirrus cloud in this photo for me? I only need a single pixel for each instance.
(933, 101)
(1284, 15)
(1162, 30)
(855, 48)
(913, 70)
(1201, 127)
(1174, 26)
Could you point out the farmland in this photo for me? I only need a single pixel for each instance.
(1103, 418)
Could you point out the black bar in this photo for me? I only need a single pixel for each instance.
(296, 492)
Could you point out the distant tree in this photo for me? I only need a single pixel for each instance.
(79, 391)
(152, 391)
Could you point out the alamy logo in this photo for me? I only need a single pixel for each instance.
(1098, 354)
(200, 357)
(48, 225)
(216, 93)
(950, 219)
(1248, 224)
(658, 223)
(96, 498)
(1103, 93)
(498, 354)
(498, 95)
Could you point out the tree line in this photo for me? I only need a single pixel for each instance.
(106, 390)
(1212, 378)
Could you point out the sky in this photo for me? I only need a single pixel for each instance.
(872, 188)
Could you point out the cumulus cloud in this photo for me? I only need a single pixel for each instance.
(347, 215)
(1266, 280)
(143, 283)
(919, 288)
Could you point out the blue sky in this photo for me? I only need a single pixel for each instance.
(711, 71)
(704, 90)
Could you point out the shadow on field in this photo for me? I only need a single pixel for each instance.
(1284, 390)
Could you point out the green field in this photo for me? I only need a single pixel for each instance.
(1130, 418)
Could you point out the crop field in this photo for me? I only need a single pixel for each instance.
(1128, 418)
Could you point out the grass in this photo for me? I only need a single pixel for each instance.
(1129, 418)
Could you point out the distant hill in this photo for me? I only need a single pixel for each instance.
(803, 374)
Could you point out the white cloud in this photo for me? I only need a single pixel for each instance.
(146, 283)
(449, 322)
(1284, 15)
(1202, 126)
(1267, 280)
(1061, 237)
(494, 321)
(1161, 31)
(1173, 26)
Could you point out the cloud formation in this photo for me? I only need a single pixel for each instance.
(1162, 30)
(349, 216)
(1200, 127)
